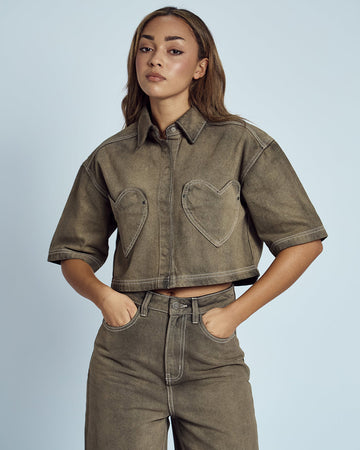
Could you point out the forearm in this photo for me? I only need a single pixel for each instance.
(286, 268)
(82, 278)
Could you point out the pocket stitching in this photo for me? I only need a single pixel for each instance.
(196, 223)
(127, 325)
(211, 336)
(126, 250)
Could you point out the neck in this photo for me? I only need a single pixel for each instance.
(165, 112)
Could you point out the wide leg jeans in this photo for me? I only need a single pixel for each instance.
(165, 363)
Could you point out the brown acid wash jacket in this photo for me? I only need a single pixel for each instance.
(191, 209)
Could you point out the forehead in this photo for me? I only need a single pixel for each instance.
(162, 26)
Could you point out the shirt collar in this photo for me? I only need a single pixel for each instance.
(191, 123)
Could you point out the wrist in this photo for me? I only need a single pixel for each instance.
(235, 313)
(100, 293)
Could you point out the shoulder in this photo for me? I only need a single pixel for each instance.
(243, 131)
(127, 134)
(124, 138)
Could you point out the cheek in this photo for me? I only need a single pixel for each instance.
(185, 68)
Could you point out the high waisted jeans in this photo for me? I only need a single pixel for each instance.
(162, 363)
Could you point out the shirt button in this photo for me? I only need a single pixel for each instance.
(173, 129)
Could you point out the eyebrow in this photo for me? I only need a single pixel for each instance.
(167, 38)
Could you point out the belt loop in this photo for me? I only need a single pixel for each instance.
(144, 304)
(195, 311)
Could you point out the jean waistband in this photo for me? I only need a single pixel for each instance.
(182, 305)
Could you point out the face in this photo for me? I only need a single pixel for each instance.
(167, 59)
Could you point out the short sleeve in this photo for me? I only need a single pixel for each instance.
(85, 225)
(278, 204)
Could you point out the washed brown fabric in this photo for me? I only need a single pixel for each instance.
(192, 209)
(162, 363)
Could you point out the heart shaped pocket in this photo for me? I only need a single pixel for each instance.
(130, 210)
(214, 212)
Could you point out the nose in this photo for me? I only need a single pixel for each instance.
(155, 60)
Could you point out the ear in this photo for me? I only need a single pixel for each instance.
(201, 67)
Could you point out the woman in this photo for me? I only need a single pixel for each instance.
(194, 192)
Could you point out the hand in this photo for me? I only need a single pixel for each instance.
(218, 322)
(118, 309)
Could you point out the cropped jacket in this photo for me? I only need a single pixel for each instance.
(192, 209)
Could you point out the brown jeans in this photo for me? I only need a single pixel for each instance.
(165, 363)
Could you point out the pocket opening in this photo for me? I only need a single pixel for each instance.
(213, 337)
(127, 325)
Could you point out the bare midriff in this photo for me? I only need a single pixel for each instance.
(193, 291)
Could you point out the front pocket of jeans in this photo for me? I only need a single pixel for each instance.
(211, 336)
(129, 324)
(214, 212)
(130, 211)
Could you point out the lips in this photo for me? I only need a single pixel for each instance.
(153, 76)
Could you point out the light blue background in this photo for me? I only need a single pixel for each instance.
(293, 69)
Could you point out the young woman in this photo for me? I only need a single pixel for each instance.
(193, 192)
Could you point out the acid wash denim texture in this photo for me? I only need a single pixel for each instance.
(192, 209)
(162, 363)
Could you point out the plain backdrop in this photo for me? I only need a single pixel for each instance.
(293, 70)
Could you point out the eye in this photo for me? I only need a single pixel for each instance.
(144, 49)
(176, 52)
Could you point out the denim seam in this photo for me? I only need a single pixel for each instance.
(120, 138)
(170, 399)
(126, 326)
(257, 137)
(159, 184)
(178, 142)
(251, 163)
(202, 309)
(303, 233)
(244, 125)
(227, 272)
(207, 333)
(158, 310)
(86, 255)
(182, 349)
(254, 160)
(108, 142)
(91, 175)
(171, 201)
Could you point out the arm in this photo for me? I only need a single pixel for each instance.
(286, 268)
(117, 308)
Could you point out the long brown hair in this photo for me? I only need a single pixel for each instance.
(206, 93)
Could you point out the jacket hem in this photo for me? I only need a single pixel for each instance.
(242, 276)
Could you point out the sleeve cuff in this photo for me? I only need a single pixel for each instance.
(299, 238)
(60, 255)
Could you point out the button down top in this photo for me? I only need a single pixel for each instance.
(192, 209)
